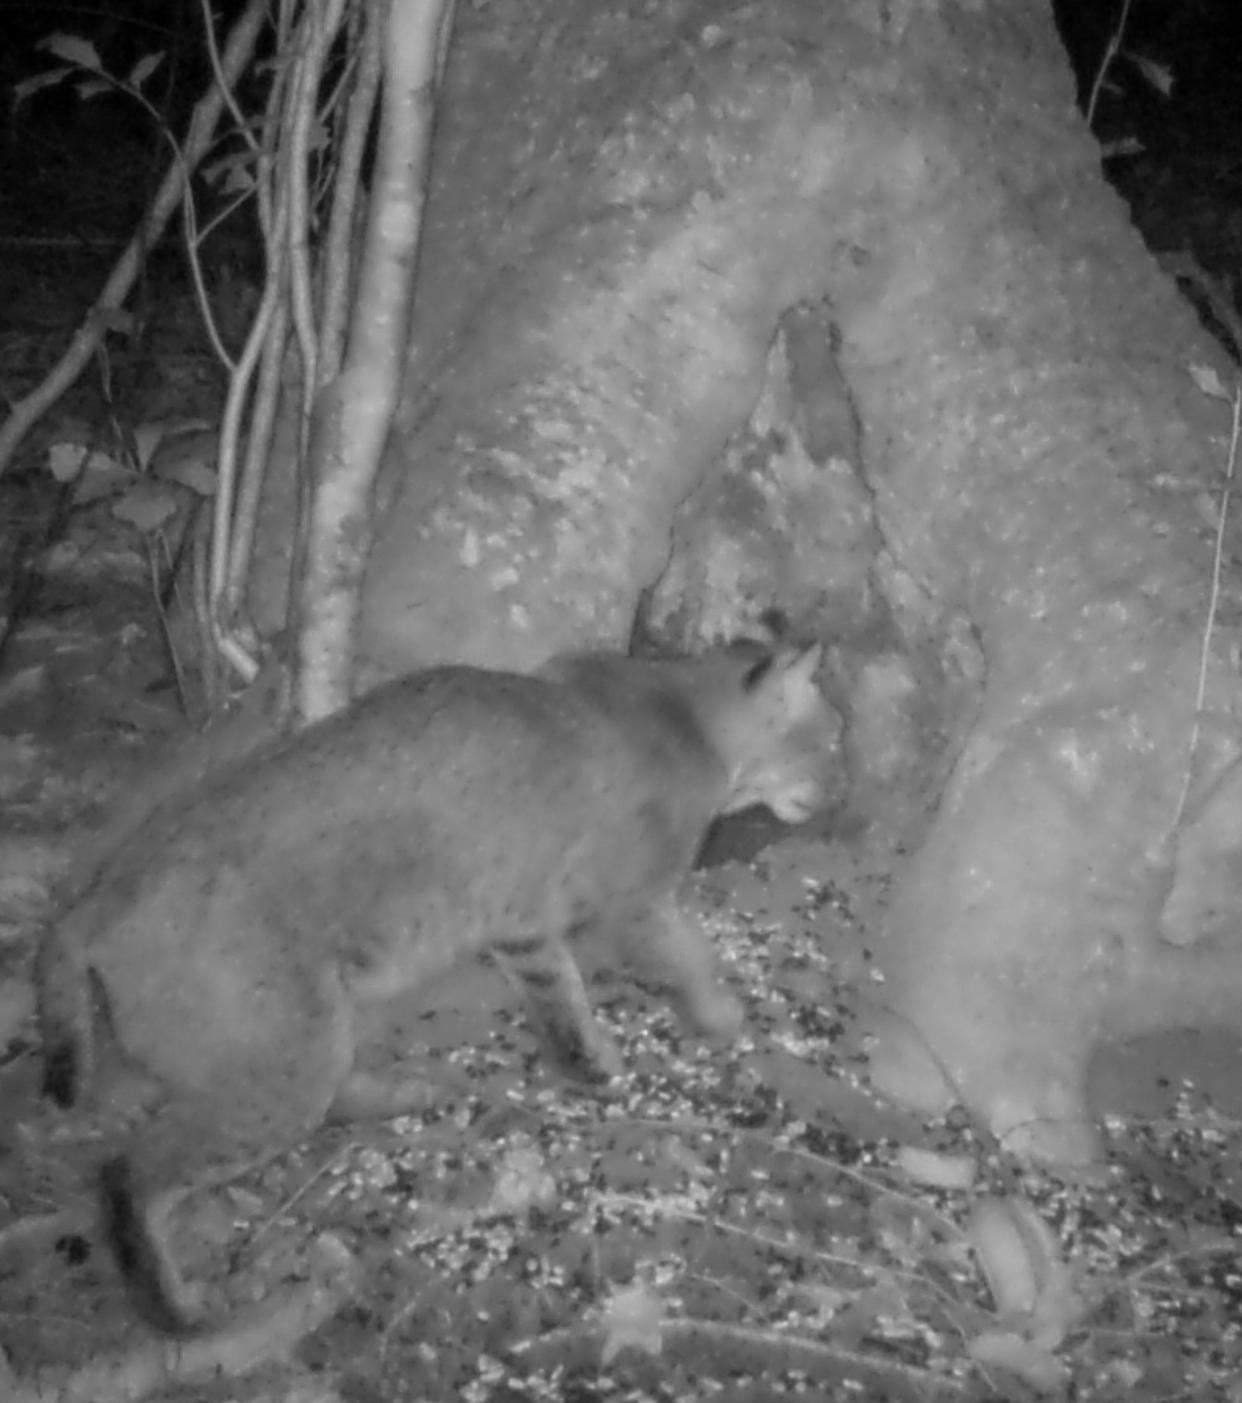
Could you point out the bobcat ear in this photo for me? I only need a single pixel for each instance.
(801, 664)
(796, 665)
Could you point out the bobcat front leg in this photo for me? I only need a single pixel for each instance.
(670, 952)
(545, 971)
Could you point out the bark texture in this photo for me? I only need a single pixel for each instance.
(626, 201)
(1042, 460)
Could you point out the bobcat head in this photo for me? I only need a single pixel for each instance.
(775, 732)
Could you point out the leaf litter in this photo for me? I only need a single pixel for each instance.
(733, 1222)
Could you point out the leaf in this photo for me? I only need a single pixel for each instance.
(146, 505)
(632, 1319)
(103, 478)
(95, 87)
(1122, 146)
(66, 458)
(29, 86)
(73, 49)
(1010, 1262)
(937, 1171)
(1020, 1257)
(1158, 75)
(1209, 382)
(192, 465)
(195, 473)
(522, 1182)
(232, 174)
(143, 69)
(147, 438)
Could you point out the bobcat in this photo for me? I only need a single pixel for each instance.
(225, 948)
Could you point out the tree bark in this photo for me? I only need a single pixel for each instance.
(355, 400)
(621, 211)
(624, 206)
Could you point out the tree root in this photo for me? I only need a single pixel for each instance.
(251, 1339)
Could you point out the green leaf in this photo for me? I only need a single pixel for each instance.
(1209, 382)
(28, 86)
(147, 438)
(146, 505)
(143, 69)
(66, 458)
(95, 87)
(73, 49)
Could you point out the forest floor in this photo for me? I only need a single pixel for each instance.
(740, 1222)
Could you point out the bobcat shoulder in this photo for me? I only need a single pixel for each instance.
(225, 948)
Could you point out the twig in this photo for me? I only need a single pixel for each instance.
(354, 412)
(224, 82)
(336, 272)
(1111, 50)
(157, 544)
(232, 649)
(89, 335)
(1213, 604)
(300, 121)
(260, 436)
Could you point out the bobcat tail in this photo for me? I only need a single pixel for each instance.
(151, 1279)
(67, 995)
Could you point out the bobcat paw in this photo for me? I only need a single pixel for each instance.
(591, 1064)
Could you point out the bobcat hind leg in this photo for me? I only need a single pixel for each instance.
(136, 1226)
(253, 1107)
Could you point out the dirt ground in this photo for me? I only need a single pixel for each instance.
(737, 1222)
(740, 1222)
